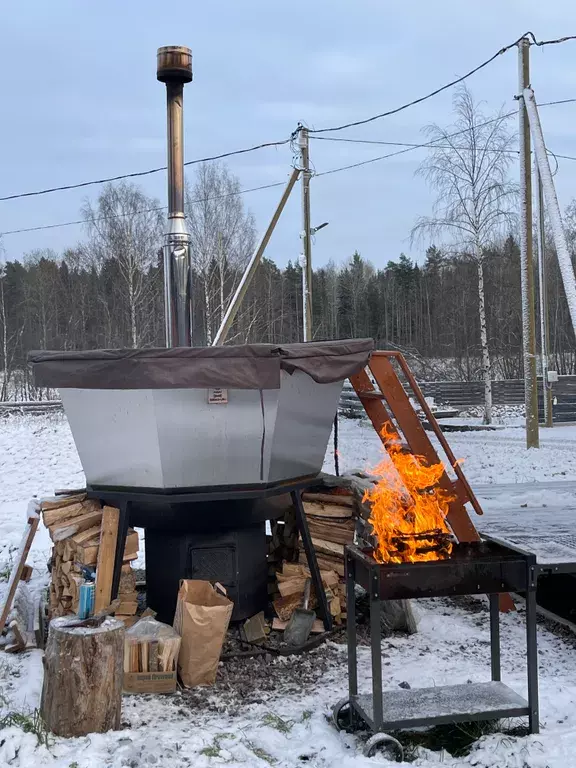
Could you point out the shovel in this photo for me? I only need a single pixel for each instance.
(301, 621)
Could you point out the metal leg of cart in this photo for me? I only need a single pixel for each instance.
(495, 636)
(351, 631)
(376, 648)
(532, 653)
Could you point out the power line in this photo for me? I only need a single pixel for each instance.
(143, 173)
(551, 42)
(408, 144)
(136, 213)
(443, 87)
(139, 174)
(436, 146)
(408, 148)
(434, 143)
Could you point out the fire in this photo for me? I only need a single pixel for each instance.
(408, 509)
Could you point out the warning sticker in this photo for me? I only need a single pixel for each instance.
(217, 396)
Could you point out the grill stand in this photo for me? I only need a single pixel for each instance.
(127, 502)
(393, 710)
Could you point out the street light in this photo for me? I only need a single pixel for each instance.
(307, 289)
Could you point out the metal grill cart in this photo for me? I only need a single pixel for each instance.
(486, 567)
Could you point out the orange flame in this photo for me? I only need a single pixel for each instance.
(406, 505)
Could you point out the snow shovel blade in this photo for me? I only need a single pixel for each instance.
(301, 621)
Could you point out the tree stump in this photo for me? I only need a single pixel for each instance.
(83, 670)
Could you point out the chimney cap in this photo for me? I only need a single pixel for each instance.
(174, 64)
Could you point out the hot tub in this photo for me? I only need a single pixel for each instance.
(190, 417)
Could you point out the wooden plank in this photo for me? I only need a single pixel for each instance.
(328, 547)
(375, 409)
(61, 515)
(127, 608)
(292, 569)
(26, 573)
(284, 606)
(88, 555)
(127, 582)
(19, 634)
(292, 586)
(77, 525)
(153, 656)
(106, 554)
(57, 503)
(338, 499)
(85, 537)
(130, 596)
(331, 533)
(144, 655)
(327, 562)
(280, 626)
(132, 543)
(318, 509)
(19, 563)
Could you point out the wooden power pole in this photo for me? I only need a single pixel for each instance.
(526, 260)
(303, 142)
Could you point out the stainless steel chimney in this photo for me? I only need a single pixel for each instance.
(174, 67)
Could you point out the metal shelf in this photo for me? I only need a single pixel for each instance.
(444, 704)
(485, 567)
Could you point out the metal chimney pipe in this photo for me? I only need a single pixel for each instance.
(174, 67)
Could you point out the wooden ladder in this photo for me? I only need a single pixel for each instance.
(389, 399)
(389, 408)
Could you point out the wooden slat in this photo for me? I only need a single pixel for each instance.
(20, 562)
(338, 499)
(106, 554)
(419, 442)
(74, 526)
(327, 510)
(66, 514)
(56, 503)
(375, 409)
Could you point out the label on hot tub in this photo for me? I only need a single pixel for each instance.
(217, 396)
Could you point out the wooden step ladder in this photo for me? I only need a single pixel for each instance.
(389, 399)
(388, 406)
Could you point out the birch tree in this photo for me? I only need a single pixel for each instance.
(467, 167)
(125, 231)
(223, 237)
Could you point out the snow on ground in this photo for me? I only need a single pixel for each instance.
(488, 457)
(38, 455)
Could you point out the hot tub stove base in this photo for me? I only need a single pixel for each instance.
(213, 534)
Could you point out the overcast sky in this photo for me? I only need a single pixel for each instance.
(81, 101)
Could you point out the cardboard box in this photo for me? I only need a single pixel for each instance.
(149, 682)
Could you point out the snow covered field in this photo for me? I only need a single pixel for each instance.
(37, 454)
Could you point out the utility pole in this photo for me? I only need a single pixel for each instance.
(543, 295)
(526, 261)
(303, 143)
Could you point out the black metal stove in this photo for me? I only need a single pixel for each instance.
(486, 567)
(212, 534)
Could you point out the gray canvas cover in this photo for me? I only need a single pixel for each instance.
(246, 366)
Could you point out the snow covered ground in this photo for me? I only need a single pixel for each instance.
(37, 454)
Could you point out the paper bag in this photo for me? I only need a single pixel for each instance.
(202, 618)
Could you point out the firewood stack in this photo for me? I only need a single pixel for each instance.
(74, 523)
(291, 582)
(331, 520)
(330, 513)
